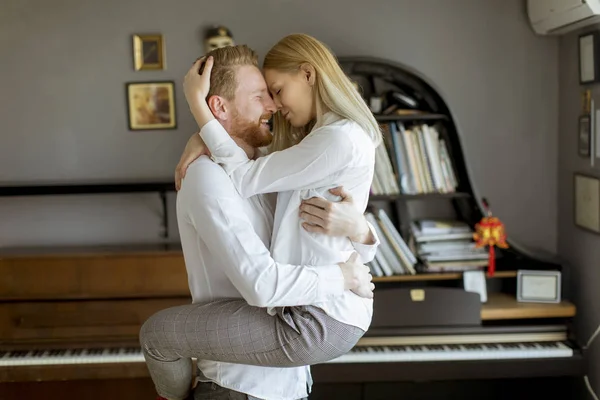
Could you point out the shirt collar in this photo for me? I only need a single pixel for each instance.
(330, 117)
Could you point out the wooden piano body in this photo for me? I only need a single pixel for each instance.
(69, 318)
(97, 299)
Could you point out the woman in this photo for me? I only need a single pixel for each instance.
(325, 137)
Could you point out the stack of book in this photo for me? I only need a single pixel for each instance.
(447, 246)
(385, 179)
(393, 256)
(416, 158)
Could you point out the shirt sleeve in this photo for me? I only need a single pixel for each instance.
(263, 282)
(367, 251)
(309, 164)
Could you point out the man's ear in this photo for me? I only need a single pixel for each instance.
(218, 106)
(309, 73)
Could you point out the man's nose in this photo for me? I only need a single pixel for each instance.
(270, 105)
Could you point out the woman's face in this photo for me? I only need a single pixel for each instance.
(293, 95)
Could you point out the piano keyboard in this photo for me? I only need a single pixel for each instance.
(70, 356)
(367, 354)
(457, 352)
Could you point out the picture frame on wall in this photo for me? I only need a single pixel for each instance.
(586, 202)
(151, 105)
(148, 52)
(584, 136)
(588, 57)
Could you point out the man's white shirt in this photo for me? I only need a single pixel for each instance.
(338, 153)
(225, 242)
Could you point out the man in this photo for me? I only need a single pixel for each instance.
(225, 240)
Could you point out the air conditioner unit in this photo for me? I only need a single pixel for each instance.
(556, 17)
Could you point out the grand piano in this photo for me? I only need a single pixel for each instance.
(70, 317)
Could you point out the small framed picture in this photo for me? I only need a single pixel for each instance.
(538, 286)
(584, 138)
(148, 52)
(586, 202)
(588, 57)
(151, 105)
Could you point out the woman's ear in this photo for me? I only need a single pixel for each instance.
(218, 106)
(309, 73)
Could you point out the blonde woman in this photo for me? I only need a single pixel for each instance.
(325, 137)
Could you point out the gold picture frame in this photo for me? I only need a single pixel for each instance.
(148, 52)
(151, 105)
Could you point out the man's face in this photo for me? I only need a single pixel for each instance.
(253, 108)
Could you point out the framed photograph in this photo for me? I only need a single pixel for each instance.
(586, 202)
(148, 52)
(584, 138)
(151, 105)
(538, 286)
(588, 57)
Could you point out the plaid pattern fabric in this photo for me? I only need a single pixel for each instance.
(233, 331)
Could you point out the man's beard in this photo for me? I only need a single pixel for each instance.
(252, 133)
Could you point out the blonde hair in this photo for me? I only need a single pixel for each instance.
(334, 91)
(226, 60)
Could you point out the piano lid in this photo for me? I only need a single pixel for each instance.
(425, 307)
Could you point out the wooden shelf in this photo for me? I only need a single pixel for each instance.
(443, 276)
(411, 117)
(421, 196)
(504, 306)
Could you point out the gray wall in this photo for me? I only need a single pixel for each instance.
(65, 63)
(580, 248)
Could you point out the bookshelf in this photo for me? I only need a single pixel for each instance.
(421, 178)
(420, 196)
(442, 276)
